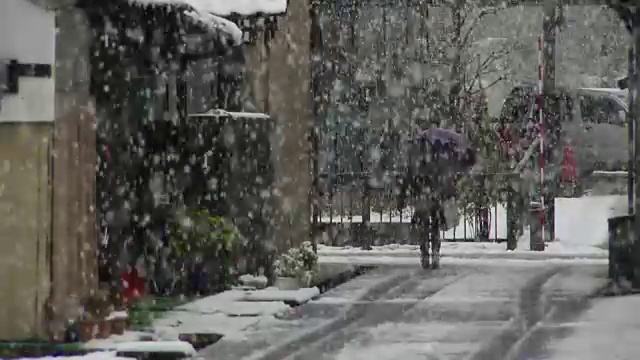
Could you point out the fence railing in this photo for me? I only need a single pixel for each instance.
(360, 209)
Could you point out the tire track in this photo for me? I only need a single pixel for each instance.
(367, 315)
(352, 313)
(529, 312)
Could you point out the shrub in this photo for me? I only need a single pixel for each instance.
(299, 262)
(202, 243)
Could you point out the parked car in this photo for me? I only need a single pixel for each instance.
(593, 123)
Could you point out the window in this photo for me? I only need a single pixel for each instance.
(599, 110)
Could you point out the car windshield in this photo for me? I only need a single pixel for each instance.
(599, 109)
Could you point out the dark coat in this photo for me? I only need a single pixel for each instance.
(436, 157)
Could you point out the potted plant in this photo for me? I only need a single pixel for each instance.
(118, 321)
(87, 327)
(99, 307)
(297, 267)
(205, 250)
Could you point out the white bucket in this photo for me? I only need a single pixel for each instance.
(287, 283)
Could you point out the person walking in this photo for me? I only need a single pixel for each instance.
(436, 157)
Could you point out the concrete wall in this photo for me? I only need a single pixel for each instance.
(73, 184)
(24, 230)
(280, 80)
(47, 257)
(27, 34)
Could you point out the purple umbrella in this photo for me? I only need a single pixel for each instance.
(456, 140)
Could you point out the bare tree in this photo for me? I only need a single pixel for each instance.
(461, 61)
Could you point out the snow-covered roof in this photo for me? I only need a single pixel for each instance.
(227, 7)
(209, 12)
(214, 22)
(232, 114)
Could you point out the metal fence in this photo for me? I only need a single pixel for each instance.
(359, 209)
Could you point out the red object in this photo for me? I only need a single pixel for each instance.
(569, 173)
(132, 284)
(508, 140)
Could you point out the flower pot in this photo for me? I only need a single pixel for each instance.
(118, 326)
(118, 321)
(104, 329)
(87, 329)
(287, 283)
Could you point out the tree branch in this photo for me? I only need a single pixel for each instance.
(500, 78)
(483, 12)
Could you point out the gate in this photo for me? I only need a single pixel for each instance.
(354, 195)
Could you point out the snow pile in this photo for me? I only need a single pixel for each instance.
(231, 312)
(609, 330)
(237, 303)
(258, 282)
(181, 347)
(110, 343)
(106, 355)
(583, 221)
(272, 294)
(217, 23)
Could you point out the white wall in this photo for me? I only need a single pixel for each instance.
(27, 34)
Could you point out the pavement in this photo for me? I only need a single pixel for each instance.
(482, 310)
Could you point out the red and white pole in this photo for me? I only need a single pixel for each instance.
(541, 129)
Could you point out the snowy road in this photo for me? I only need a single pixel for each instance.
(458, 312)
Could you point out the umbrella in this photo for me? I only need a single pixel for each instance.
(455, 141)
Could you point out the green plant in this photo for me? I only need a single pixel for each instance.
(200, 239)
(299, 262)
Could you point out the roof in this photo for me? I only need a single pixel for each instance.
(235, 115)
(210, 13)
(227, 7)
(620, 93)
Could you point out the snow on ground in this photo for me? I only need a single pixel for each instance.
(462, 249)
(109, 343)
(273, 294)
(182, 347)
(103, 355)
(422, 340)
(610, 329)
(232, 311)
(356, 288)
(496, 261)
(271, 332)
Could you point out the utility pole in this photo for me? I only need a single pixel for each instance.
(552, 14)
(634, 87)
(629, 13)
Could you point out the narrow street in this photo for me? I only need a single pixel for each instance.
(457, 312)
